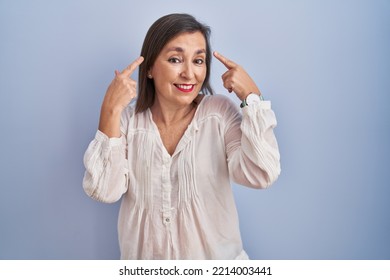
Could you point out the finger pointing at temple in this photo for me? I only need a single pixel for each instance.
(131, 68)
(225, 61)
(236, 79)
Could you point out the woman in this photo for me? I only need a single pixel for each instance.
(171, 157)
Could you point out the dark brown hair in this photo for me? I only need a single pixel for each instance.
(158, 35)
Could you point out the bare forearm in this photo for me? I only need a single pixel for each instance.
(109, 122)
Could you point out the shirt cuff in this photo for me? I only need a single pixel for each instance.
(110, 142)
(265, 105)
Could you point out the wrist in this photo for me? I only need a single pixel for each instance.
(109, 122)
(252, 98)
(112, 111)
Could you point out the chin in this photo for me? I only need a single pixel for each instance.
(190, 97)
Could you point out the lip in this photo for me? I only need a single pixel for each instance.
(185, 87)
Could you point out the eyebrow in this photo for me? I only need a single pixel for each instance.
(179, 49)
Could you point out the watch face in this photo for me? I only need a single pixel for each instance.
(252, 99)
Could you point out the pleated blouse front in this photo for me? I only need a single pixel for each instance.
(182, 206)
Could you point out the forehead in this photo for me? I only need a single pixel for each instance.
(187, 41)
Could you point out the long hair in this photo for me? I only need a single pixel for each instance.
(159, 34)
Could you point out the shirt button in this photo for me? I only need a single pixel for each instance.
(167, 220)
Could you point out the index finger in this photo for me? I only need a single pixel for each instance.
(225, 61)
(131, 68)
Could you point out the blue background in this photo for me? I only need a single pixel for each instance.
(324, 64)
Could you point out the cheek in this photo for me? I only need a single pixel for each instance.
(201, 74)
(163, 76)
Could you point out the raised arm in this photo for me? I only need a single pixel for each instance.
(251, 147)
(105, 178)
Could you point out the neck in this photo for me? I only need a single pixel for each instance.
(168, 114)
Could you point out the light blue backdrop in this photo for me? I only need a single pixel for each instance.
(324, 64)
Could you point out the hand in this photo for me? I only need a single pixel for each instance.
(119, 94)
(236, 78)
(122, 88)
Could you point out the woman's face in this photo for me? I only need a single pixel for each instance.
(180, 69)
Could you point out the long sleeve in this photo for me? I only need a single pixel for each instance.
(251, 146)
(105, 178)
(182, 206)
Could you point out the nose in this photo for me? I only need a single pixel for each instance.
(187, 71)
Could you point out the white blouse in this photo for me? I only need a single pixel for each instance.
(182, 206)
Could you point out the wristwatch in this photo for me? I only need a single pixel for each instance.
(252, 98)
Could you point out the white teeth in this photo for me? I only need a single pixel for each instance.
(186, 87)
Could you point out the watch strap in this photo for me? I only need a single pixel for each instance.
(244, 103)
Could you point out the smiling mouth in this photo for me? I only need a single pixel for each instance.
(184, 87)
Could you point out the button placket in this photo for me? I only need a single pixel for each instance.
(166, 192)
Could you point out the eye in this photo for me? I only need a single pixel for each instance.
(174, 60)
(199, 61)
